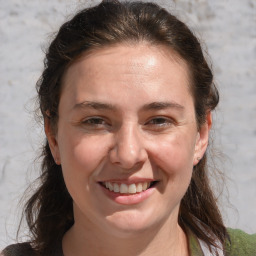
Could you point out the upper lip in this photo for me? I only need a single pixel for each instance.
(128, 181)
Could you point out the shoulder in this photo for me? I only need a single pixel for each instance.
(19, 249)
(240, 243)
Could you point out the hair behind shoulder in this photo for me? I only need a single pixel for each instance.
(49, 212)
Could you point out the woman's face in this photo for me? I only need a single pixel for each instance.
(127, 137)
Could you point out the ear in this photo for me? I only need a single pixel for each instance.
(53, 143)
(202, 139)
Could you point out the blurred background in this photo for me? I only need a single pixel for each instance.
(227, 30)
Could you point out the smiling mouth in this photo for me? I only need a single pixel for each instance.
(123, 188)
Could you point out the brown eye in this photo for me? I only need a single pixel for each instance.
(158, 121)
(94, 121)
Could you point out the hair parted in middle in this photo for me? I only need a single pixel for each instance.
(49, 211)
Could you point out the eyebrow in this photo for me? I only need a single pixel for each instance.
(95, 105)
(162, 105)
(147, 107)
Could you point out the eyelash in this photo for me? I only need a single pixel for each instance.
(156, 123)
(95, 122)
(164, 122)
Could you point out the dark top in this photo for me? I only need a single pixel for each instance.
(25, 249)
(240, 244)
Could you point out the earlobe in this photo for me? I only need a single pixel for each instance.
(202, 139)
(53, 143)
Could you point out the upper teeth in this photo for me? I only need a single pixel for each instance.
(127, 189)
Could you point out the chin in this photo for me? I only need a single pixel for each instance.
(125, 224)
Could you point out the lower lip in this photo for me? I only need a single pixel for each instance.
(128, 199)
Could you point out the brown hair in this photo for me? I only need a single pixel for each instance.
(49, 212)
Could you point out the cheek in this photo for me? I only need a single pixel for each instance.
(81, 160)
(174, 160)
(82, 154)
(88, 154)
(175, 153)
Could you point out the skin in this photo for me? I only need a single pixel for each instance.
(139, 125)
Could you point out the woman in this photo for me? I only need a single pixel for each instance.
(126, 96)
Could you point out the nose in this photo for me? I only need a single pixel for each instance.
(128, 151)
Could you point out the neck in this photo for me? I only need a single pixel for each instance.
(167, 240)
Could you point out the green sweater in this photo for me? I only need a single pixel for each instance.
(240, 244)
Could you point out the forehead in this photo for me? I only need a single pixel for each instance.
(130, 57)
(127, 69)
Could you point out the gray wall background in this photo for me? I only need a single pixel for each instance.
(227, 28)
